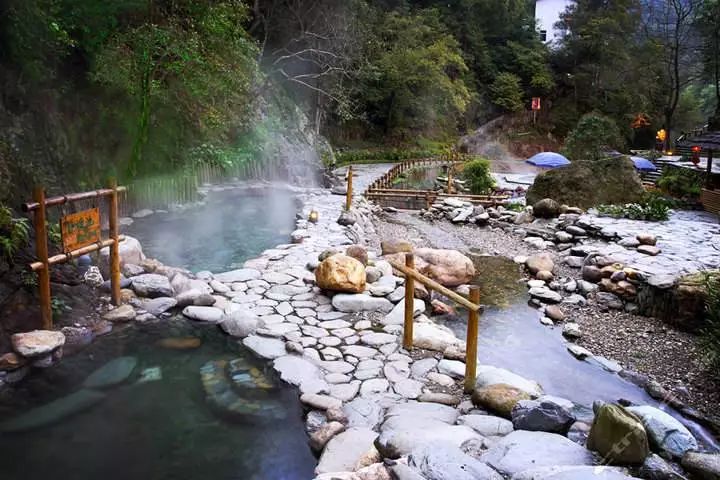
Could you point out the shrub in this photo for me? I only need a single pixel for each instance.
(653, 208)
(593, 135)
(710, 335)
(681, 183)
(477, 174)
(13, 233)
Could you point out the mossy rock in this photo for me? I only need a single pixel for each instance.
(589, 183)
(619, 436)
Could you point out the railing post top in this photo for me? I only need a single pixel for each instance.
(409, 259)
(474, 293)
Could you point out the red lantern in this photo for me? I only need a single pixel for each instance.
(695, 158)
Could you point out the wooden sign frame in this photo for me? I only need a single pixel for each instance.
(39, 209)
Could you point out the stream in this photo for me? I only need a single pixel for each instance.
(158, 424)
(512, 337)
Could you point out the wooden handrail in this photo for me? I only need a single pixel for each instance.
(65, 257)
(432, 284)
(473, 306)
(73, 197)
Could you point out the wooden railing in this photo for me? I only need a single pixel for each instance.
(382, 188)
(74, 244)
(472, 304)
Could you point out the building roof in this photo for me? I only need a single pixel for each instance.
(706, 141)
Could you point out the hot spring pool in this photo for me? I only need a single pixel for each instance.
(205, 411)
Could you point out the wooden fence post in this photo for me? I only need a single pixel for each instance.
(449, 179)
(472, 340)
(41, 250)
(115, 247)
(348, 199)
(409, 303)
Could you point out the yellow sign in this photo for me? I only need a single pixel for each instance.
(80, 229)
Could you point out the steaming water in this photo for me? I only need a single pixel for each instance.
(232, 226)
(165, 428)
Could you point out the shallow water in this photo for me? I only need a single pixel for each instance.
(166, 428)
(232, 226)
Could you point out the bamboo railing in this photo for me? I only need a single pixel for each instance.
(472, 304)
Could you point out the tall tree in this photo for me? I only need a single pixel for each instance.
(603, 63)
(670, 24)
(708, 23)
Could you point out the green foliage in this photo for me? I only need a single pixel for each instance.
(592, 137)
(477, 174)
(507, 93)
(653, 208)
(681, 182)
(59, 306)
(710, 335)
(515, 207)
(385, 155)
(14, 233)
(414, 80)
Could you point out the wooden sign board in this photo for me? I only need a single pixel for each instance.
(536, 103)
(80, 229)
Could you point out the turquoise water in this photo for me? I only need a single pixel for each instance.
(231, 227)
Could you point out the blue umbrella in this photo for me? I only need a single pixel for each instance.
(643, 164)
(548, 160)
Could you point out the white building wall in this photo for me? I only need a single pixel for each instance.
(547, 13)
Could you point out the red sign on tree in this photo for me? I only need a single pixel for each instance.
(536, 103)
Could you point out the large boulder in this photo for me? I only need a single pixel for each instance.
(152, 285)
(546, 208)
(446, 462)
(131, 253)
(705, 466)
(546, 414)
(522, 450)
(488, 375)
(542, 262)
(499, 398)
(341, 273)
(588, 183)
(37, 343)
(667, 435)
(343, 452)
(618, 436)
(447, 267)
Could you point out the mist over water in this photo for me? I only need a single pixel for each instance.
(231, 227)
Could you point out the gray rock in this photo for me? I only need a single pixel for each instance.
(346, 302)
(703, 465)
(37, 343)
(241, 323)
(488, 375)
(656, 468)
(403, 434)
(574, 473)
(487, 425)
(53, 412)
(437, 461)
(363, 412)
(546, 414)
(545, 294)
(264, 347)
(122, 313)
(240, 275)
(114, 372)
(666, 434)
(152, 285)
(397, 315)
(523, 450)
(343, 451)
(156, 306)
(300, 372)
(571, 330)
(607, 300)
(204, 314)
